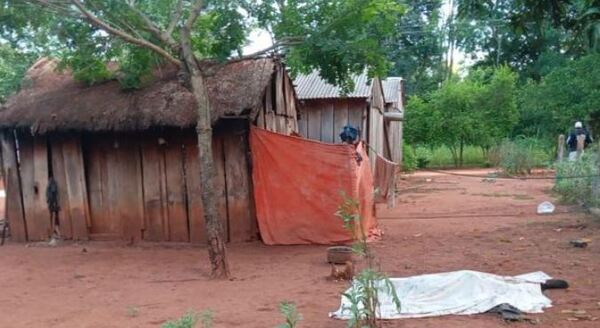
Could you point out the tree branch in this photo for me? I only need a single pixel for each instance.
(285, 42)
(175, 16)
(163, 36)
(124, 35)
(196, 9)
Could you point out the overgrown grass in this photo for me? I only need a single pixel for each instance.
(516, 156)
(521, 155)
(577, 182)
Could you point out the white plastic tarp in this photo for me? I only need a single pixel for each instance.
(460, 293)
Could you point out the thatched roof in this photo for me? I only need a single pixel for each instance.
(53, 101)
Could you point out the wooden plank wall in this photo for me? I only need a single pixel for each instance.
(149, 187)
(279, 112)
(69, 173)
(323, 120)
(14, 202)
(128, 187)
(33, 162)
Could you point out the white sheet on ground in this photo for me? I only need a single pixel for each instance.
(459, 292)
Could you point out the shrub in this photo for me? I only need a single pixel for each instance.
(585, 189)
(519, 156)
(409, 159)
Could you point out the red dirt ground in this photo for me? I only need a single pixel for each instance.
(441, 223)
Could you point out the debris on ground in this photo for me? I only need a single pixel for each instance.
(545, 208)
(577, 315)
(580, 243)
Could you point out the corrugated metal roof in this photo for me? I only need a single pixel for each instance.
(391, 89)
(312, 86)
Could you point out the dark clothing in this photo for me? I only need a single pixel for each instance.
(52, 196)
(349, 134)
(572, 139)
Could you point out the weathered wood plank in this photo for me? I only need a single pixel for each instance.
(260, 119)
(302, 125)
(129, 195)
(98, 150)
(176, 207)
(76, 187)
(280, 105)
(281, 124)
(356, 111)
(14, 204)
(220, 183)
(327, 123)
(59, 174)
(238, 187)
(314, 123)
(396, 141)
(153, 163)
(194, 190)
(34, 178)
(340, 117)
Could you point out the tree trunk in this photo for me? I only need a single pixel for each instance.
(214, 231)
(460, 153)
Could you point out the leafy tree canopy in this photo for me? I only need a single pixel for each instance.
(566, 95)
(479, 110)
(339, 37)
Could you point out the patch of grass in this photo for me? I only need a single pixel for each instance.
(133, 312)
(190, 320)
(508, 195)
(441, 157)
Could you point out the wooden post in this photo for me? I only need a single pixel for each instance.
(14, 200)
(561, 147)
(580, 145)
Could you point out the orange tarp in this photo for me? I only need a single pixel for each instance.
(298, 186)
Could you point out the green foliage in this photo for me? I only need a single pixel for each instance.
(364, 295)
(338, 37)
(369, 283)
(441, 157)
(290, 313)
(409, 159)
(580, 190)
(415, 49)
(566, 95)
(479, 110)
(190, 320)
(13, 66)
(349, 212)
(520, 156)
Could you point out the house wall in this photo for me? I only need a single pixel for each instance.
(135, 186)
(323, 119)
(279, 111)
(139, 186)
(378, 134)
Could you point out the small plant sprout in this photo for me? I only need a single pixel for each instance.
(190, 319)
(364, 293)
(133, 311)
(290, 313)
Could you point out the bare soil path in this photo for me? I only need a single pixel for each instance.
(441, 223)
